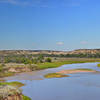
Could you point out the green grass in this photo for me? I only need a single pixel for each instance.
(26, 98)
(15, 84)
(98, 65)
(60, 63)
(55, 75)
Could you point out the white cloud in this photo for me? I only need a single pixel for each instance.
(60, 43)
(84, 42)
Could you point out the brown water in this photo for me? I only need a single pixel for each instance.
(80, 86)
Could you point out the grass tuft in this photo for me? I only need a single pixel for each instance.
(98, 65)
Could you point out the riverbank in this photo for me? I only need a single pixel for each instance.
(11, 69)
(12, 91)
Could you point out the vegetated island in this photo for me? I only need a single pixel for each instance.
(55, 75)
(63, 73)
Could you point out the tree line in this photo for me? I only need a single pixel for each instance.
(40, 58)
(26, 59)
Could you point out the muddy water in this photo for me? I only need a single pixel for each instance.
(80, 86)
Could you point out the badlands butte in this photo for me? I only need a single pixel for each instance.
(49, 52)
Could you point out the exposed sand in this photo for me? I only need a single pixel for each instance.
(75, 71)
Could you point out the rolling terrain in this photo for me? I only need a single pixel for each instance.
(78, 51)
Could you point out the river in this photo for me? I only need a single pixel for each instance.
(79, 86)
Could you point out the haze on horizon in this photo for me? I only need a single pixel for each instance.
(49, 24)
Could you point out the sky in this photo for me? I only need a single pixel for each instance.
(49, 24)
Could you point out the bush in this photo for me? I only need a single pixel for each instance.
(48, 60)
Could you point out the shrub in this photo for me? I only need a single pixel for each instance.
(48, 60)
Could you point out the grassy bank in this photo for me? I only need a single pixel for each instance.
(67, 61)
(15, 84)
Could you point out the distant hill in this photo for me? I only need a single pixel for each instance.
(20, 52)
(85, 51)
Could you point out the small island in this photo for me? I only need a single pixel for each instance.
(55, 75)
(75, 71)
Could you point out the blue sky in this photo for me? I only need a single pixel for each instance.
(49, 24)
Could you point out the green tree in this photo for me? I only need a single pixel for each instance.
(7, 60)
(48, 60)
(41, 58)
